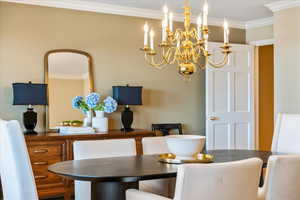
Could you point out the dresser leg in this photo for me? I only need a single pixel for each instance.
(68, 194)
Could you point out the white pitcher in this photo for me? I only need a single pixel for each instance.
(100, 123)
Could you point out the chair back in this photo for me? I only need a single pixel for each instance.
(283, 178)
(166, 128)
(287, 134)
(227, 181)
(166, 186)
(90, 149)
(99, 149)
(15, 168)
(154, 145)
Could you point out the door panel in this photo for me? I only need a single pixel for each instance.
(221, 133)
(220, 86)
(229, 100)
(242, 133)
(242, 91)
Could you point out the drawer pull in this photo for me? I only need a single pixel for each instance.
(40, 163)
(40, 177)
(41, 151)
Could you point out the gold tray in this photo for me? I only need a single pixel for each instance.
(199, 158)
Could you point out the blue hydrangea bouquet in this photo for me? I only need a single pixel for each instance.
(93, 102)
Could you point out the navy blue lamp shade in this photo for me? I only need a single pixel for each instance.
(128, 95)
(30, 94)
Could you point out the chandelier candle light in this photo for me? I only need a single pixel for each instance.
(184, 47)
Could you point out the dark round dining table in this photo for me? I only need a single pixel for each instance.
(111, 177)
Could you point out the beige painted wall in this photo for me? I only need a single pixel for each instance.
(261, 33)
(287, 60)
(28, 32)
(61, 93)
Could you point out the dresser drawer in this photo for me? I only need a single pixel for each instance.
(37, 149)
(43, 177)
(41, 163)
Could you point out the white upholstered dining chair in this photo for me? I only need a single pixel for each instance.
(15, 168)
(287, 134)
(154, 145)
(164, 187)
(282, 179)
(99, 149)
(219, 181)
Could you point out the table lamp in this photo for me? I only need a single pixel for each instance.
(127, 95)
(30, 94)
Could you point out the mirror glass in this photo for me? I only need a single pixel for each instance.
(68, 74)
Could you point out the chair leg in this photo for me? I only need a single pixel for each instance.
(262, 177)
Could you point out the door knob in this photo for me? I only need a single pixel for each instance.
(213, 118)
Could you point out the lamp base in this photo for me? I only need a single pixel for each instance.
(127, 130)
(30, 120)
(127, 119)
(30, 132)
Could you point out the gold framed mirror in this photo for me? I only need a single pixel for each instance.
(68, 73)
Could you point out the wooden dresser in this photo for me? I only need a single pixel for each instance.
(48, 148)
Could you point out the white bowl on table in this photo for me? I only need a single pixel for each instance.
(185, 147)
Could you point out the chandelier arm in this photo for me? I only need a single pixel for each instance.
(174, 56)
(194, 34)
(196, 54)
(177, 36)
(220, 64)
(152, 62)
(167, 55)
(159, 65)
(201, 67)
(199, 52)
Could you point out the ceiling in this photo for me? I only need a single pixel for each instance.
(241, 10)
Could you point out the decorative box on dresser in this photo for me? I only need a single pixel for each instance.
(48, 148)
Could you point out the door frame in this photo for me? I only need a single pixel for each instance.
(257, 44)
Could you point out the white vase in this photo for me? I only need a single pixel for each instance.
(100, 123)
(87, 122)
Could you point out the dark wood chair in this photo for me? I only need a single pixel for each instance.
(166, 128)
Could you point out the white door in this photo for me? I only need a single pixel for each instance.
(230, 101)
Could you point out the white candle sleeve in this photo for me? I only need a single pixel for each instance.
(199, 27)
(204, 20)
(151, 40)
(205, 13)
(146, 39)
(164, 31)
(171, 22)
(227, 36)
(146, 30)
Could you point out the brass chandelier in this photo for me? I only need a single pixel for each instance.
(185, 47)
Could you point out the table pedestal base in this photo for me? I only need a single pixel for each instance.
(111, 190)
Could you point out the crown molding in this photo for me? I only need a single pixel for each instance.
(262, 42)
(259, 23)
(282, 5)
(82, 5)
